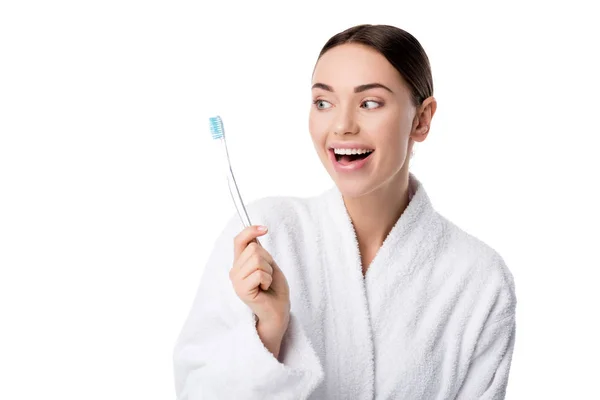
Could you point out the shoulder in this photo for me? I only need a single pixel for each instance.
(284, 216)
(481, 264)
(280, 209)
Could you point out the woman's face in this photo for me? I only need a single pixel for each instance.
(351, 110)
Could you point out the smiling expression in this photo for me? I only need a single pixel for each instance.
(360, 101)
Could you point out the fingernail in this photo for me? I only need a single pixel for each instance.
(261, 228)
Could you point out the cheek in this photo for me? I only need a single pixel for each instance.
(317, 128)
(391, 134)
(386, 127)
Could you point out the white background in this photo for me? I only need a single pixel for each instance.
(111, 199)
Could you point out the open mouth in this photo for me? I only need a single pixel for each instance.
(351, 160)
(347, 159)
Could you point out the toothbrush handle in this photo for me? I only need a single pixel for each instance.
(239, 204)
(237, 199)
(233, 188)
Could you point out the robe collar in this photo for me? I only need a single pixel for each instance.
(408, 225)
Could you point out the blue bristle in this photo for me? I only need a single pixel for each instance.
(216, 127)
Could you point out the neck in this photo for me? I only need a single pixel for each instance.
(374, 214)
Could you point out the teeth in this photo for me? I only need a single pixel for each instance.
(351, 151)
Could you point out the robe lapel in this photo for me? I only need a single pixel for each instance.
(348, 310)
(403, 250)
(357, 303)
(404, 239)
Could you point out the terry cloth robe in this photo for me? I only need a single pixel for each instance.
(433, 317)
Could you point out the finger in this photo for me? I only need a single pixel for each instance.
(248, 252)
(252, 249)
(257, 278)
(241, 241)
(255, 263)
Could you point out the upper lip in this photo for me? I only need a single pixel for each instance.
(349, 145)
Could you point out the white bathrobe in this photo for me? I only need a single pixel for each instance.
(434, 317)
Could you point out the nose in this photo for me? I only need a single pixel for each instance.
(345, 123)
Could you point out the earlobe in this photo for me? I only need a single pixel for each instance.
(421, 133)
(421, 129)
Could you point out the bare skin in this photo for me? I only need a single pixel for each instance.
(259, 283)
(375, 197)
(384, 120)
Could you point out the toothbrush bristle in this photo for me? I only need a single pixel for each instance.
(216, 127)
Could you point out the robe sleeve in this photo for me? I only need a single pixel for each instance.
(488, 372)
(219, 355)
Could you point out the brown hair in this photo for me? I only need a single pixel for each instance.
(399, 47)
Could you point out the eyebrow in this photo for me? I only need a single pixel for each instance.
(357, 89)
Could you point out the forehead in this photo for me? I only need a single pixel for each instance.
(351, 64)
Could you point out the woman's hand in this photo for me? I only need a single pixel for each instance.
(259, 283)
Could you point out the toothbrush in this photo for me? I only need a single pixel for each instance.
(218, 133)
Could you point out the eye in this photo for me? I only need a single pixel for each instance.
(376, 103)
(319, 102)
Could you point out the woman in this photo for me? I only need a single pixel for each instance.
(364, 291)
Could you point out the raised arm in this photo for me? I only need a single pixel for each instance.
(219, 353)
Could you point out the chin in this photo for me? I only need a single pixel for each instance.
(354, 188)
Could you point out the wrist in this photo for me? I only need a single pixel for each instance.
(271, 334)
(274, 323)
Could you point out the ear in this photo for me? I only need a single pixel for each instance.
(422, 120)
